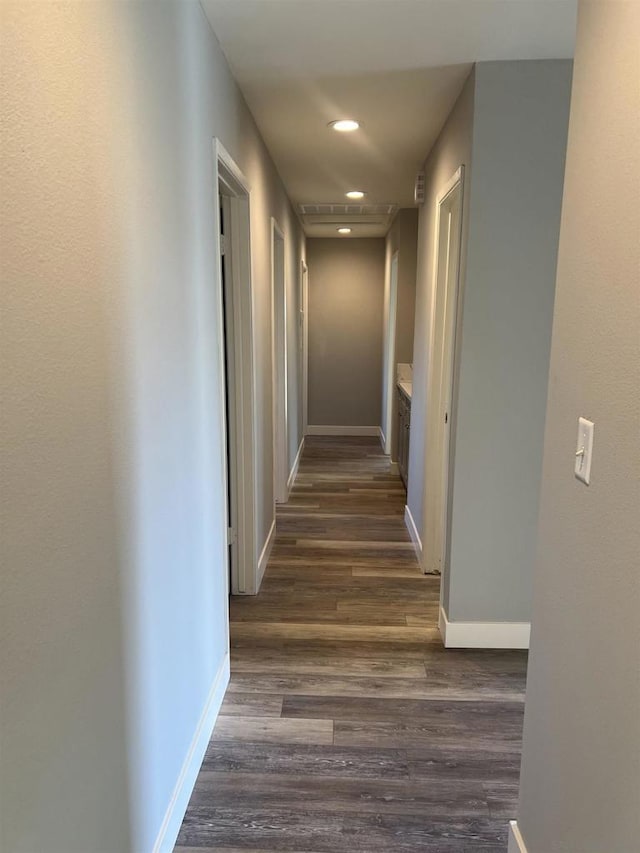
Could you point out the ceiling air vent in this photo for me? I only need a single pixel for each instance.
(347, 209)
(366, 220)
(418, 192)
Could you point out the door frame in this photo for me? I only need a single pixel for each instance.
(439, 517)
(390, 340)
(279, 365)
(229, 181)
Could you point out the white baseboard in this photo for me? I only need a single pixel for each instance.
(393, 468)
(516, 841)
(383, 440)
(415, 536)
(296, 465)
(483, 635)
(264, 555)
(174, 815)
(343, 430)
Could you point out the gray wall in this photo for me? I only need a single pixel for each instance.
(508, 129)
(452, 149)
(402, 238)
(580, 782)
(521, 113)
(346, 288)
(114, 601)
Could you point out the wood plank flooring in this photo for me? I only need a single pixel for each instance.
(347, 726)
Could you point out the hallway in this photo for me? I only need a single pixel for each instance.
(346, 724)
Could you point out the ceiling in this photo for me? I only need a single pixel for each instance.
(397, 66)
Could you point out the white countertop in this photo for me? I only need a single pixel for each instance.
(406, 387)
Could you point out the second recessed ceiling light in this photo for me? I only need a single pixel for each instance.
(344, 230)
(345, 125)
(355, 194)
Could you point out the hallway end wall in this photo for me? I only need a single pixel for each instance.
(346, 291)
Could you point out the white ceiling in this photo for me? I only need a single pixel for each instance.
(395, 65)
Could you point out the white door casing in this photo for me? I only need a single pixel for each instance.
(232, 184)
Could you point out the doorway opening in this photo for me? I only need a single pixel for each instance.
(448, 234)
(236, 337)
(389, 354)
(303, 337)
(279, 363)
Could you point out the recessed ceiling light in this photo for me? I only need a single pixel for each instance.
(344, 230)
(355, 194)
(345, 125)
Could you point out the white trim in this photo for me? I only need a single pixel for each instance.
(227, 174)
(516, 841)
(456, 178)
(295, 466)
(265, 553)
(415, 536)
(170, 827)
(393, 468)
(483, 635)
(343, 430)
(383, 440)
(279, 362)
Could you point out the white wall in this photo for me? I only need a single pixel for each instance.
(521, 113)
(114, 618)
(580, 780)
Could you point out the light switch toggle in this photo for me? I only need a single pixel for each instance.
(584, 450)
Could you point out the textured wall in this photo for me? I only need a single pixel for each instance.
(580, 782)
(346, 286)
(64, 776)
(114, 598)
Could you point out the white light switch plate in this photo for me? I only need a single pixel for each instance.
(584, 450)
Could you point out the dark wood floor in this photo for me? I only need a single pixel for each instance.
(346, 725)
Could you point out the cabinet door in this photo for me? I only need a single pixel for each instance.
(402, 437)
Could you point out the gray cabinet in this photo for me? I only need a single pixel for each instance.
(404, 424)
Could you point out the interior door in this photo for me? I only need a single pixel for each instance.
(230, 401)
(446, 302)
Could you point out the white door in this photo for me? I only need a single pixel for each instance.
(230, 400)
(449, 219)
